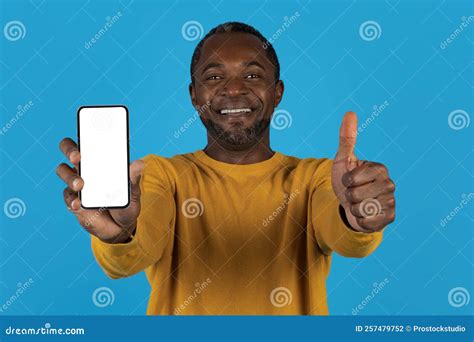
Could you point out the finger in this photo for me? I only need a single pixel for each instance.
(387, 200)
(365, 173)
(136, 169)
(373, 206)
(69, 175)
(70, 150)
(71, 199)
(376, 223)
(347, 136)
(373, 189)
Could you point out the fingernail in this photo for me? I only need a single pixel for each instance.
(73, 204)
(75, 183)
(73, 155)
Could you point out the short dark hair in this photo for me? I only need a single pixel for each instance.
(233, 26)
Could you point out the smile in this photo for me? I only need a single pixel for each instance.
(235, 111)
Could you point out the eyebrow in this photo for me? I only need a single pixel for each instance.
(244, 64)
(251, 63)
(212, 65)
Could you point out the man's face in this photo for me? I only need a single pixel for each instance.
(234, 89)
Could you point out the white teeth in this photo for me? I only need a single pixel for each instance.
(237, 110)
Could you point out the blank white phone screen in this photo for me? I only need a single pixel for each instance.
(103, 144)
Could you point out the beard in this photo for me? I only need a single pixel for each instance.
(238, 136)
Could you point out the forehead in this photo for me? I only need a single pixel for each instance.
(233, 48)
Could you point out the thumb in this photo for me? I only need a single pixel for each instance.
(347, 136)
(136, 169)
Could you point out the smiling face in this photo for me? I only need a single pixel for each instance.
(235, 90)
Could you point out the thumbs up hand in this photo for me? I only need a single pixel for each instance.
(363, 188)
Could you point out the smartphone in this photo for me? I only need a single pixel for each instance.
(103, 140)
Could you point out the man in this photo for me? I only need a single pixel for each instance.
(237, 228)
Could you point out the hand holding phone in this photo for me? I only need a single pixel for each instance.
(112, 225)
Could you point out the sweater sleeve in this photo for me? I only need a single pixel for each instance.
(330, 231)
(154, 226)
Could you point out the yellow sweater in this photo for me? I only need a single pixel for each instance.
(224, 239)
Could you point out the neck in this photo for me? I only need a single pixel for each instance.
(256, 153)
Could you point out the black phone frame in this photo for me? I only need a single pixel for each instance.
(128, 153)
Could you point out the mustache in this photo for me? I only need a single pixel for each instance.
(232, 103)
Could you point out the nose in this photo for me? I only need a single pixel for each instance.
(234, 86)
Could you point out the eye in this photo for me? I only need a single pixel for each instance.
(213, 78)
(252, 76)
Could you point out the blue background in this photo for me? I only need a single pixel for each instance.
(143, 60)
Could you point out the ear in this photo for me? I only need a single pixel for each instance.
(279, 89)
(192, 93)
